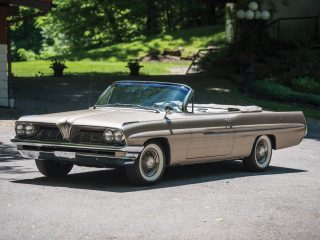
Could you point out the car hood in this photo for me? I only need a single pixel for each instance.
(101, 117)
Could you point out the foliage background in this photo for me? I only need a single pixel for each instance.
(77, 25)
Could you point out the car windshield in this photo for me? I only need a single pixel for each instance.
(147, 95)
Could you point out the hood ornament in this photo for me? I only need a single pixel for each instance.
(65, 129)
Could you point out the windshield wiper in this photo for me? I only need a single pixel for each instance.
(148, 108)
(115, 104)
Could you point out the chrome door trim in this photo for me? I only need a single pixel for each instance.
(255, 128)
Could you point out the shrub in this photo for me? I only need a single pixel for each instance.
(308, 57)
(154, 52)
(271, 89)
(58, 64)
(26, 55)
(134, 67)
(305, 84)
(58, 67)
(215, 59)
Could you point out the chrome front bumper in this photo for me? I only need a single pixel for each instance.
(80, 154)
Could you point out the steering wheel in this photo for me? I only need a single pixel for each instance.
(171, 104)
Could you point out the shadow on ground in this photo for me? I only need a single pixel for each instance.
(114, 180)
(51, 94)
(16, 169)
(9, 153)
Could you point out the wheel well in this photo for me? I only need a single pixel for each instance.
(165, 144)
(273, 141)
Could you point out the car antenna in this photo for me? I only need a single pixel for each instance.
(90, 86)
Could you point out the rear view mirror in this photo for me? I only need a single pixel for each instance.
(169, 110)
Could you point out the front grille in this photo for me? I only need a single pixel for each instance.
(88, 137)
(51, 133)
(47, 133)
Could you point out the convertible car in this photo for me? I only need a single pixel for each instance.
(147, 126)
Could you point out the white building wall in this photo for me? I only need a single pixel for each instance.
(3, 76)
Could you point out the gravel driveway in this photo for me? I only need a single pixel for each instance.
(208, 201)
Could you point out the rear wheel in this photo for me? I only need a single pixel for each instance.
(260, 156)
(53, 169)
(149, 167)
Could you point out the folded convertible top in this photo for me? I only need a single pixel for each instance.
(230, 108)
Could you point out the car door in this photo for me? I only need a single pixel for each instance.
(211, 135)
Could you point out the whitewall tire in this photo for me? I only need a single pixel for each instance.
(150, 165)
(260, 156)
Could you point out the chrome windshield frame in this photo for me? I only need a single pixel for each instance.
(184, 103)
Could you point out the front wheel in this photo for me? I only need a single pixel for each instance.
(149, 167)
(53, 169)
(260, 156)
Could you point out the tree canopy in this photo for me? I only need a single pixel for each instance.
(86, 24)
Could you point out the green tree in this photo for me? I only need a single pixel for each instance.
(85, 24)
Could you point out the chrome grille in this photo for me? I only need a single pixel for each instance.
(88, 137)
(48, 133)
(51, 133)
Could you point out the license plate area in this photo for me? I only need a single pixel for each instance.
(61, 154)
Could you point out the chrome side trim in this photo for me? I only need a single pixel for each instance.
(254, 128)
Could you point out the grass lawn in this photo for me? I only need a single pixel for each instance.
(112, 59)
(41, 68)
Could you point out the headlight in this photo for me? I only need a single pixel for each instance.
(118, 135)
(29, 130)
(108, 136)
(20, 129)
(113, 135)
(25, 129)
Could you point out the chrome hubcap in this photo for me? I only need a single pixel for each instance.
(150, 162)
(262, 151)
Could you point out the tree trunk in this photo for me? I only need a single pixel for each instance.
(152, 18)
(211, 12)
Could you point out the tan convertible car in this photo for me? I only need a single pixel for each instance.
(147, 126)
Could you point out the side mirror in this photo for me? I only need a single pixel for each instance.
(169, 110)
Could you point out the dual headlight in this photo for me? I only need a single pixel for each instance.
(25, 129)
(113, 135)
